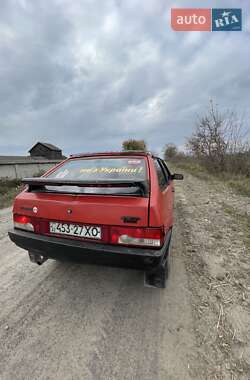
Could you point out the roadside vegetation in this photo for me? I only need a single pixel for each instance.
(243, 220)
(8, 190)
(219, 148)
(239, 183)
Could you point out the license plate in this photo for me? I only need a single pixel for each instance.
(90, 232)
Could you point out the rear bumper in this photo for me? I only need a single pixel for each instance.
(91, 253)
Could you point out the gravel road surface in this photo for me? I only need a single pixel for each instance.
(71, 321)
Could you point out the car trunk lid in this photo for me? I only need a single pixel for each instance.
(85, 209)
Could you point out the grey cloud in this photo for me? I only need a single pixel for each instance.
(87, 74)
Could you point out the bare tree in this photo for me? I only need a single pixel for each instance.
(236, 134)
(218, 137)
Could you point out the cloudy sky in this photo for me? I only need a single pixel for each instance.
(87, 74)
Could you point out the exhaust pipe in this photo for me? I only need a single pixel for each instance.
(37, 258)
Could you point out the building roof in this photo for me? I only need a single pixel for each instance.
(47, 145)
(4, 160)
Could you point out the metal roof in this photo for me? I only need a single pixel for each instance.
(47, 145)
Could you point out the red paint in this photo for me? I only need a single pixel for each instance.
(155, 211)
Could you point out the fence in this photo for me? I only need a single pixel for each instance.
(17, 170)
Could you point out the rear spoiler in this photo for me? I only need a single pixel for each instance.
(39, 183)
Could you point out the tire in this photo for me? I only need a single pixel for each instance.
(157, 277)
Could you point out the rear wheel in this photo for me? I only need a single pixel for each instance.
(157, 277)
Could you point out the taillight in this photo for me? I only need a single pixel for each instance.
(23, 222)
(129, 236)
(147, 237)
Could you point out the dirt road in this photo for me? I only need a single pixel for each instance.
(65, 321)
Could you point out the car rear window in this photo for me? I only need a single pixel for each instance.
(98, 169)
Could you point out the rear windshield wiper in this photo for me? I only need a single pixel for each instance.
(40, 183)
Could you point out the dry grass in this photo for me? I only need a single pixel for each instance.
(212, 298)
(242, 220)
(237, 182)
(10, 188)
(8, 191)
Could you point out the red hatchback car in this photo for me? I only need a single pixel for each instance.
(105, 208)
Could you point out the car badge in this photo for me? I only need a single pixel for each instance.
(35, 209)
(69, 211)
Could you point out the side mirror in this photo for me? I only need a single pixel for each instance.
(177, 176)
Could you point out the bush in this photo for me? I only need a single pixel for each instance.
(170, 151)
(8, 190)
(134, 145)
(6, 185)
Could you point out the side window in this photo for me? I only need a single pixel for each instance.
(160, 174)
(166, 170)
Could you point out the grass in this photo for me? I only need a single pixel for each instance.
(8, 190)
(243, 220)
(238, 183)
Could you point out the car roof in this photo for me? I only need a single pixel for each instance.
(103, 154)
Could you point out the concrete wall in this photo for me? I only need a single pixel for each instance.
(20, 170)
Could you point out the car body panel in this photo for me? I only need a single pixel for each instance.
(154, 210)
(92, 209)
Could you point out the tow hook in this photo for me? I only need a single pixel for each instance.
(37, 258)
